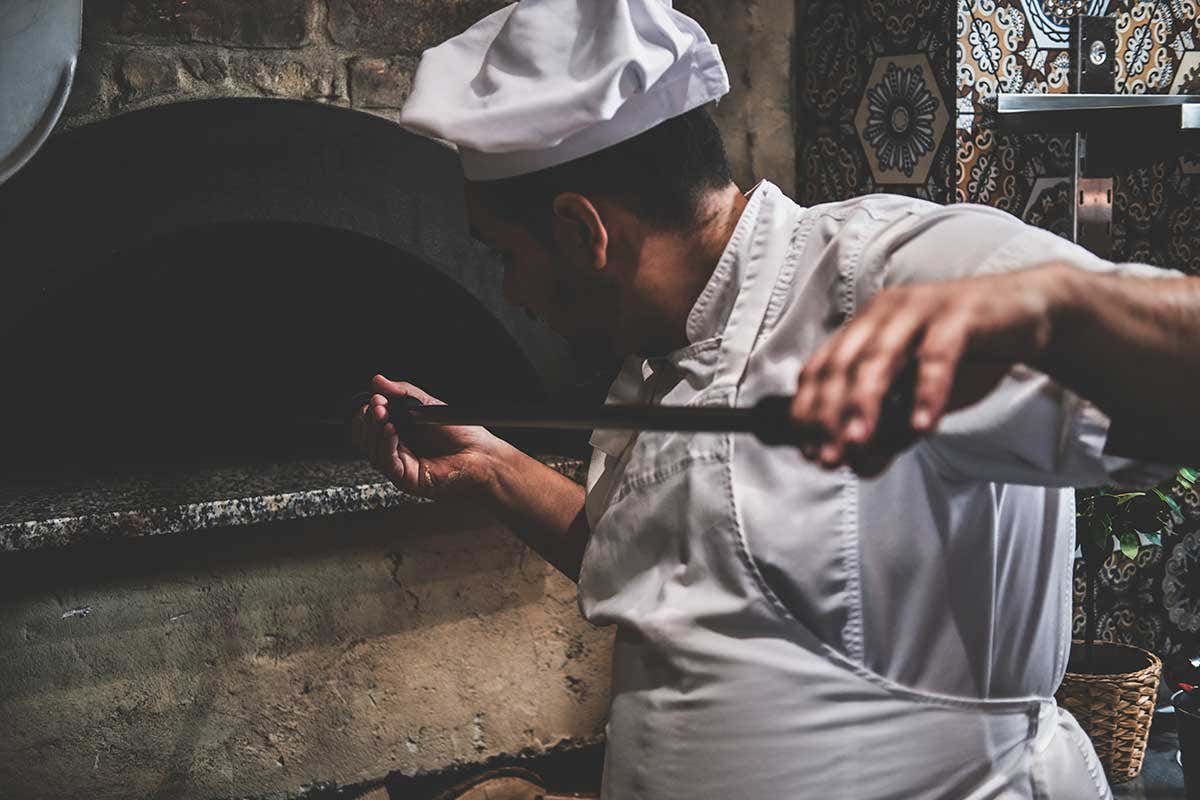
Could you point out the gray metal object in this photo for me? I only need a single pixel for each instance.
(1063, 112)
(1092, 52)
(1101, 122)
(1093, 214)
(39, 45)
(1191, 116)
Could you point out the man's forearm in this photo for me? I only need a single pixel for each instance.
(1131, 346)
(542, 507)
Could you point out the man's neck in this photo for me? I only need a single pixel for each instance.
(682, 265)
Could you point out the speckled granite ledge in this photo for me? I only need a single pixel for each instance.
(62, 511)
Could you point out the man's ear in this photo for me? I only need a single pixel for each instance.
(579, 230)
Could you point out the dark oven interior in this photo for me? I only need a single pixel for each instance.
(210, 281)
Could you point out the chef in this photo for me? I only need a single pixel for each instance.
(782, 630)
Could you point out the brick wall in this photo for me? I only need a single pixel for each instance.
(362, 54)
(353, 53)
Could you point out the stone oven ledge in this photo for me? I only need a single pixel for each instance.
(57, 511)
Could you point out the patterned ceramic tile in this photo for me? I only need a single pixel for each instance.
(1150, 46)
(831, 170)
(991, 38)
(998, 52)
(898, 19)
(901, 119)
(832, 48)
(1049, 206)
(1008, 46)
(990, 46)
(1181, 576)
(1187, 76)
(1002, 170)
(1049, 19)
(840, 45)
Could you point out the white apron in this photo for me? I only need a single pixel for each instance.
(718, 690)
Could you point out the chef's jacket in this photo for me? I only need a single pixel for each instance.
(789, 632)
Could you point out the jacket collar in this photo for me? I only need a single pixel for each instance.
(706, 320)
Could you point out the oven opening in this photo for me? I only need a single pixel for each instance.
(242, 340)
(209, 282)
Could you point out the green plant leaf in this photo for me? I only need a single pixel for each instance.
(1125, 497)
(1153, 538)
(1176, 511)
(1130, 544)
(1188, 477)
(1099, 531)
(1166, 498)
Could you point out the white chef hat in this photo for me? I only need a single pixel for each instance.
(542, 82)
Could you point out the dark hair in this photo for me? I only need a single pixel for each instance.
(661, 174)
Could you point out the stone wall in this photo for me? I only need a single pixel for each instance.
(361, 54)
(757, 117)
(277, 660)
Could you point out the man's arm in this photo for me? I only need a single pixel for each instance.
(469, 463)
(541, 506)
(1130, 345)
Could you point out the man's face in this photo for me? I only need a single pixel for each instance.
(558, 284)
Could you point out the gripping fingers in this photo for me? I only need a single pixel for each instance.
(387, 453)
(865, 399)
(402, 389)
(877, 374)
(938, 360)
(392, 465)
(407, 470)
(377, 421)
(803, 418)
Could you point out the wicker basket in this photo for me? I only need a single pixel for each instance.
(1114, 709)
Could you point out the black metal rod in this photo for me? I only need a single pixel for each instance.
(769, 419)
(651, 418)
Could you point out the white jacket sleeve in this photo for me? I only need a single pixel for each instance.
(1029, 430)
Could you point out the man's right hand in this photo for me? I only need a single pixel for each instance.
(541, 506)
(434, 461)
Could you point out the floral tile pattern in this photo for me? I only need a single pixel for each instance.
(1001, 170)
(1152, 40)
(1187, 76)
(1047, 19)
(998, 51)
(901, 119)
(1049, 206)
(875, 83)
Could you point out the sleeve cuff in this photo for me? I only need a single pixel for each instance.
(1083, 452)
